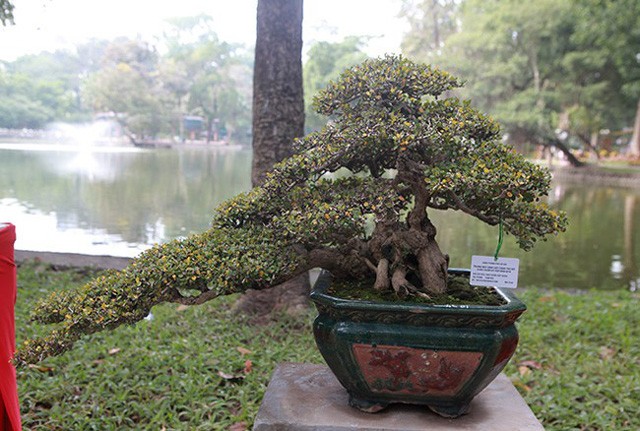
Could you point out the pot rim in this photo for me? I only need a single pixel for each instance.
(320, 296)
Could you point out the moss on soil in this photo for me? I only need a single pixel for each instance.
(459, 292)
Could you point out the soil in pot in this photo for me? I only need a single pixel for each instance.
(459, 292)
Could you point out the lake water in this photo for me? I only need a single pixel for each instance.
(119, 200)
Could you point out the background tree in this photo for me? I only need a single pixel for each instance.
(199, 75)
(326, 60)
(6, 12)
(127, 87)
(510, 54)
(38, 89)
(18, 107)
(431, 22)
(608, 31)
(55, 79)
(547, 66)
(208, 77)
(600, 88)
(278, 100)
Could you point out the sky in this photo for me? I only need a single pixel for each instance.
(47, 25)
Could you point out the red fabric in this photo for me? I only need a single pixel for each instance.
(9, 407)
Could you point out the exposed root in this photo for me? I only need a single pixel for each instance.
(382, 276)
(367, 262)
(399, 281)
(404, 287)
(433, 266)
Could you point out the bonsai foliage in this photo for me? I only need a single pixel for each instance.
(354, 199)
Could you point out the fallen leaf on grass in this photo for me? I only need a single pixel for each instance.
(114, 351)
(524, 371)
(41, 368)
(243, 351)
(230, 377)
(247, 366)
(560, 318)
(530, 364)
(238, 426)
(182, 307)
(548, 298)
(519, 385)
(606, 353)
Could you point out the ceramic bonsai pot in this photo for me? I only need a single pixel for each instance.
(402, 352)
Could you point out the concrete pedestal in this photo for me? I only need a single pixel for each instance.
(307, 397)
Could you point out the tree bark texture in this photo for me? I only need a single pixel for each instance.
(278, 103)
(634, 144)
(278, 118)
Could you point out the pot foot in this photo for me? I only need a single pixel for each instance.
(366, 405)
(451, 411)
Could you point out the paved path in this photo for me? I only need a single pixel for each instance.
(73, 259)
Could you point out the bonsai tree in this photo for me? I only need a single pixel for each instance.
(354, 199)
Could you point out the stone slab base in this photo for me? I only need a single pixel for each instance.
(307, 397)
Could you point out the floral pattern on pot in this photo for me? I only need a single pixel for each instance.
(407, 370)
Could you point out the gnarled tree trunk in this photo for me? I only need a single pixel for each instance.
(401, 250)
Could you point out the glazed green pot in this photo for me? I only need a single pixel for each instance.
(435, 355)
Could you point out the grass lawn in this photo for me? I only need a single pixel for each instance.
(204, 368)
(620, 167)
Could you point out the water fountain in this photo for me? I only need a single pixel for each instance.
(102, 131)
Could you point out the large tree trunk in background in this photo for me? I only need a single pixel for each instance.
(565, 150)
(436, 25)
(278, 102)
(629, 260)
(634, 144)
(546, 139)
(278, 118)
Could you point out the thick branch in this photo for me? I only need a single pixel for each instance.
(412, 174)
(339, 264)
(492, 220)
(418, 213)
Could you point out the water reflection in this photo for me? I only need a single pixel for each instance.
(124, 199)
(111, 200)
(602, 224)
(617, 267)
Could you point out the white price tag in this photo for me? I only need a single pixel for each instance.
(487, 271)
